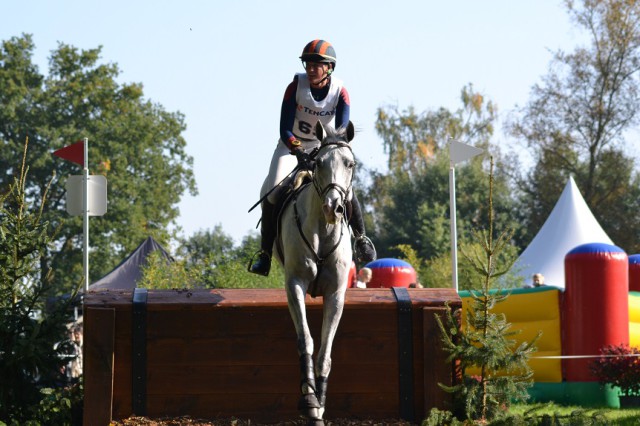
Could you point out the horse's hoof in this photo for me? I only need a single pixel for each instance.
(308, 406)
(311, 414)
(315, 422)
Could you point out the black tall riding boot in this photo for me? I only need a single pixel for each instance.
(364, 250)
(262, 264)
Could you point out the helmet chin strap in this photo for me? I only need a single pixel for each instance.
(329, 72)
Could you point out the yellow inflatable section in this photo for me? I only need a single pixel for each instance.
(634, 319)
(533, 310)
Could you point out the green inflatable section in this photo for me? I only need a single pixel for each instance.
(586, 394)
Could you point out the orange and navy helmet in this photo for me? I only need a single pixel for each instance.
(319, 51)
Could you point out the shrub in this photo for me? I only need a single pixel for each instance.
(619, 365)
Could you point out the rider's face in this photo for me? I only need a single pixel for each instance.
(316, 71)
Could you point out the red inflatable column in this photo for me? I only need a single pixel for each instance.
(596, 305)
(634, 272)
(352, 275)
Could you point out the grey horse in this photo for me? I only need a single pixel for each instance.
(315, 251)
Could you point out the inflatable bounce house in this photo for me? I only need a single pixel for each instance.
(592, 299)
(594, 309)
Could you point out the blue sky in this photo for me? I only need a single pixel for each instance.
(225, 65)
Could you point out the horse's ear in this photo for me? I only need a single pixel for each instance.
(320, 133)
(351, 131)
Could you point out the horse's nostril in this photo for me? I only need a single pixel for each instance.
(339, 210)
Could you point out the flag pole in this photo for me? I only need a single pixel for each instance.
(85, 215)
(458, 152)
(454, 231)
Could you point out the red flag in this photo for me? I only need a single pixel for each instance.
(74, 152)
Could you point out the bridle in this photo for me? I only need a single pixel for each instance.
(321, 193)
(332, 185)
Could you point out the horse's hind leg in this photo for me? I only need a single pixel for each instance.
(308, 404)
(332, 312)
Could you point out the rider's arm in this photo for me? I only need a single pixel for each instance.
(343, 108)
(288, 114)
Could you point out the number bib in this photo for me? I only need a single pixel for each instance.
(309, 110)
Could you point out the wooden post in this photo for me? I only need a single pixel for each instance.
(99, 333)
(436, 357)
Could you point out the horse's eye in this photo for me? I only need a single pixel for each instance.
(352, 164)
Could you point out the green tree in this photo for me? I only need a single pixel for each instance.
(486, 342)
(209, 259)
(133, 141)
(229, 269)
(215, 244)
(30, 331)
(410, 203)
(578, 121)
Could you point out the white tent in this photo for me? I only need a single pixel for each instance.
(569, 225)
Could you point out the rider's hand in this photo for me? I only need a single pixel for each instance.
(304, 160)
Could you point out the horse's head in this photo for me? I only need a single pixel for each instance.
(334, 169)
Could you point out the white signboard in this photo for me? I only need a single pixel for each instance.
(97, 195)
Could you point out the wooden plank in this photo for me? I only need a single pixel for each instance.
(248, 323)
(220, 352)
(436, 356)
(264, 298)
(271, 408)
(167, 379)
(99, 331)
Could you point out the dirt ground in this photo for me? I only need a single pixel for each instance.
(135, 421)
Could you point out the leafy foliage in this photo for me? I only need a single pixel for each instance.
(619, 365)
(578, 119)
(209, 259)
(134, 142)
(411, 202)
(29, 329)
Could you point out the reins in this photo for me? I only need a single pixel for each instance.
(319, 260)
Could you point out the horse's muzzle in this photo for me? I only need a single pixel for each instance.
(333, 211)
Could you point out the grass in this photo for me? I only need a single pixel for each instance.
(614, 416)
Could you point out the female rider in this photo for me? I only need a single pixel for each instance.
(311, 96)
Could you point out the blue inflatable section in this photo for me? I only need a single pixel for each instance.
(388, 263)
(595, 248)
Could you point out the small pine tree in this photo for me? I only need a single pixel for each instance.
(485, 343)
(30, 332)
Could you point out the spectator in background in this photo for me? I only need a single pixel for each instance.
(537, 280)
(73, 370)
(364, 276)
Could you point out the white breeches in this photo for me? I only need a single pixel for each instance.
(282, 163)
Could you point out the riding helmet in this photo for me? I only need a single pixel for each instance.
(319, 51)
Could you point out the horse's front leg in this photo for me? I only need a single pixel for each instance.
(333, 305)
(308, 404)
